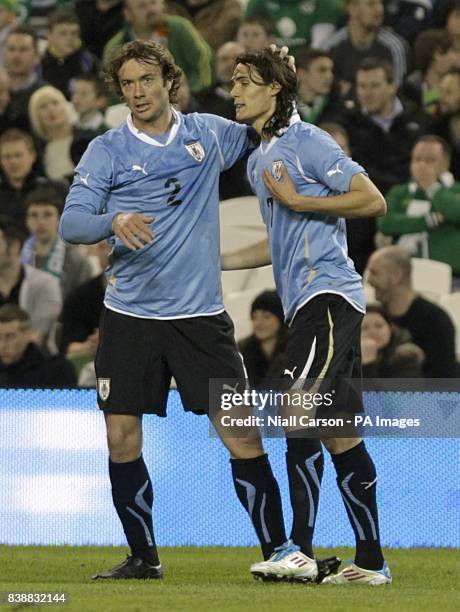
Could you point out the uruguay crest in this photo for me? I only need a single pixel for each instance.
(196, 150)
(103, 388)
(276, 170)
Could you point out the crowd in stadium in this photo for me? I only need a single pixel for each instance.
(382, 77)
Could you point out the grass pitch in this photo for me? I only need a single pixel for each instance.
(217, 579)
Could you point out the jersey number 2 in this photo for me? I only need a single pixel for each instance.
(174, 183)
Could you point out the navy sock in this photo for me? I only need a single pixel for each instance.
(132, 495)
(357, 481)
(258, 492)
(305, 463)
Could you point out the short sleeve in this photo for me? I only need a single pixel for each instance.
(93, 178)
(321, 158)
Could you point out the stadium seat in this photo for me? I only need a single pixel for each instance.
(243, 328)
(242, 226)
(451, 303)
(235, 280)
(431, 278)
(238, 306)
(241, 223)
(262, 278)
(369, 293)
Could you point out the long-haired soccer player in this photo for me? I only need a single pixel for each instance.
(306, 186)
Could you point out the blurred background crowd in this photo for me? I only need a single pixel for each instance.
(381, 76)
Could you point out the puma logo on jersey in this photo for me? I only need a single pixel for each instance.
(290, 372)
(84, 179)
(335, 170)
(234, 389)
(138, 168)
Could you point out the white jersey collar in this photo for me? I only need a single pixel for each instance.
(149, 139)
(295, 118)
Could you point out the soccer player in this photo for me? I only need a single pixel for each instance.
(306, 186)
(163, 312)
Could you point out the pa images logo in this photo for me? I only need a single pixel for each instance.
(103, 388)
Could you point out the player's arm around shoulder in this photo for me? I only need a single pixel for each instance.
(234, 141)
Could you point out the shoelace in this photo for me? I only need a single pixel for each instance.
(284, 550)
(127, 561)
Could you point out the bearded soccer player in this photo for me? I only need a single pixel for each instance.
(306, 186)
(163, 313)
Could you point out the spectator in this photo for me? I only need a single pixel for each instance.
(365, 37)
(22, 363)
(65, 57)
(146, 19)
(338, 133)
(186, 102)
(217, 100)
(82, 310)
(45, 250)
(99, 21)
(19, 175)
(21, 62)
(434, 56)
(35, 13)
(254, 33)
(453, 24)
(89, 98)
(441, 9)
(7, 21)
(360, 232)
(407, 17)
(36, 292)
(4, 99)
(298, 24)
(424, 215)
(216, 20)
(386, 350)
(316, 101)
(382, 128)
(447, 124)
(61, 143)
(263, 350)
(389, 272)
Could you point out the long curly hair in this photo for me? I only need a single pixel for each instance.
(147, 53)
(271, 68)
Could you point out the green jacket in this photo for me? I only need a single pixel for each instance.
(410, 221)
(294, 20)
(189, 49)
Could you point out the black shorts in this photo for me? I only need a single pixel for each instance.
(323, 353)
(136, 359)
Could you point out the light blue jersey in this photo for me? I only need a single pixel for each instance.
(174, 178)
(309, 250)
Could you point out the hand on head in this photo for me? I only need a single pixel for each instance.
(284, 54)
